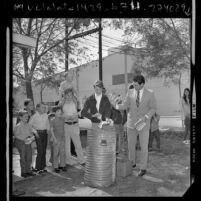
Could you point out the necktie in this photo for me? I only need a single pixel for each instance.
(138, 98)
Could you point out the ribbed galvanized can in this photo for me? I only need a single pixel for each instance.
(100, 168)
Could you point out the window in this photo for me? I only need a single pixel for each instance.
(120, 79)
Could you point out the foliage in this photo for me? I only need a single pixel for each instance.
(42, 61)
(164, 42)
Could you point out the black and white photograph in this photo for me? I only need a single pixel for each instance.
(101, 106)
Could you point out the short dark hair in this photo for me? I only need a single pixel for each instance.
(39, 104)
(139, 79)
(69, 90)
(21, 113)
(56, 108)
(27, 101)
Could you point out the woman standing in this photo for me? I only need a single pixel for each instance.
(185, 102)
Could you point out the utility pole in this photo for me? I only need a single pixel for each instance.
(66, 44)
(100, 52)
(125, 71)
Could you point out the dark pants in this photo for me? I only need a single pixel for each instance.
(119, 129)
(155, 134)
(187, 123)
(41, 143)
(25, 152)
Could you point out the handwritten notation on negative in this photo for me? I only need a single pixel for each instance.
(122, 7)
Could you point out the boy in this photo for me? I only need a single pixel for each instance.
(40, 122)
(57, 132)
(51, 116)
(154, 132)
(22, 133)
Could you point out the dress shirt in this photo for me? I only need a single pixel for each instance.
(98, 99)
(40, 121)
(141, 92)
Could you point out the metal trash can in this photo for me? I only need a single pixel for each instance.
(100, 168)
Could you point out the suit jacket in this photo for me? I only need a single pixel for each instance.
(147, 107)
(90, 109)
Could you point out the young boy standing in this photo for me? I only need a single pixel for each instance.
(39, 121)
(22, 133)
(57, 132)
(154, 132)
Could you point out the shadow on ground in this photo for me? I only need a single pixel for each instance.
(168, 175)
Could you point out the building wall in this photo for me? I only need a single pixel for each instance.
(167, 96)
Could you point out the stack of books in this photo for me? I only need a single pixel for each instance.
(140, 124)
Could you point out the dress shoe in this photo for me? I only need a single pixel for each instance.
(17, 193)
(134, 165)
(34, 169)
(31, 174)
(83, 164)
(24, 175)
(64, 169)
(39, 171)
(142, 172)
(150, 149)
(57, 170)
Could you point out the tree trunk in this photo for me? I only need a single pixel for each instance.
(179, 85)
(28, 78)
(41, 96)
(29, 91)
(41, 93)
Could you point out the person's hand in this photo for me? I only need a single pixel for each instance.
(97, 115)
(36, 134)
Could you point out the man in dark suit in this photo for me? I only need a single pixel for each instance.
(141, 105)
(97, 107)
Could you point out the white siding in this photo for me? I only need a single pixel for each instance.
(167, 97)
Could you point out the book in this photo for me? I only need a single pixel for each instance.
(140, 124)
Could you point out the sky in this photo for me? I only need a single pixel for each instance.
(110, 39)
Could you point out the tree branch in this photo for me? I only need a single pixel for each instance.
(177, 36)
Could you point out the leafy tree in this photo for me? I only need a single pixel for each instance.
(50, 45)
(164, 42)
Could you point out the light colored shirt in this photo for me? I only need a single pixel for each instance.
(141, 92)
(22, 131)
(40, 121)
(69, 108)
(98, 99)
(185, 108)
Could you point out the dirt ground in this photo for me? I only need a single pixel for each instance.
(168, 175)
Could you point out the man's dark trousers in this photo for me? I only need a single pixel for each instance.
(41, 143)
